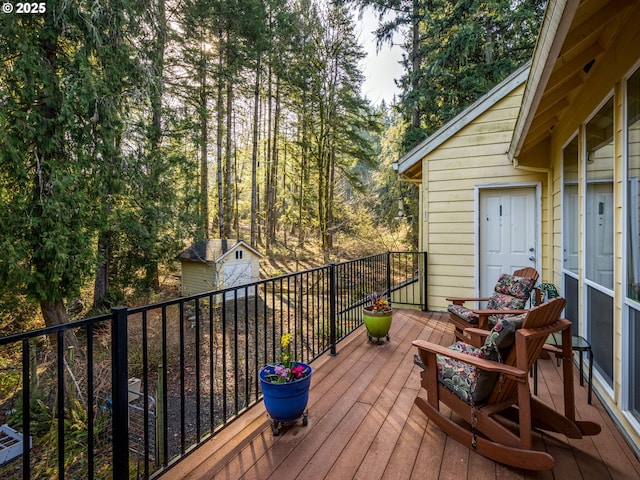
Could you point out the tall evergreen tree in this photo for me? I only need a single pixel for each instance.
(456, 50)
(469, 46)
(343, 117)
(114, 76)
(48, 184)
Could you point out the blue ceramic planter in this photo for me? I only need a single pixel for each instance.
(285, 402)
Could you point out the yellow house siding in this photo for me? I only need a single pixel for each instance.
(557, 245)
(604, 80)
(546, 223)
(197, 277)
(473, 157)
(618, 198)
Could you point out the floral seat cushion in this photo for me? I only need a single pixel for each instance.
(457, 376)
(470, 384)
(510, 293)
(464, 313)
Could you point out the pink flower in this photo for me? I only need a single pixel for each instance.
(297, 371)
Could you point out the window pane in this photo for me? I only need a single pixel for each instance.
(633, 173)
(571, 296)
(570, 206)
(599, 202)
(634, 362)
(600, 325)
(633, 240)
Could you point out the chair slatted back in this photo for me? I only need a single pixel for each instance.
(539, 323)
(528, 272)
(531, 272)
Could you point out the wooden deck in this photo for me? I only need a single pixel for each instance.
(363, 424)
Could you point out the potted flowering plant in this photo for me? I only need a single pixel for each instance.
(285, 388)
(377, 317)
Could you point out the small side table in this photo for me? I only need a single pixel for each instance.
(578, 344)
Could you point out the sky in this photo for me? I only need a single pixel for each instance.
(380, 68)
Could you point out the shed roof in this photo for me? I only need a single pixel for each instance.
(410, 164)
(212, 250)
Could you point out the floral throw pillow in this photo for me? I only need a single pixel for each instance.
(501, 337)
(457, 376)
(493, 319)
(500, 301)
(474, 385)
(519, 287)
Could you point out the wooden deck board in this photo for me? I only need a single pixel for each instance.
(363, 424)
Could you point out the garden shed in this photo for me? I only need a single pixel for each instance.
(215, 264)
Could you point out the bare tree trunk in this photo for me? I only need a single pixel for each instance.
(304, 170)
(328, 158)
(267, 169)
(330, 198)
(415, 60)
(155, 135)
(254, 156)
(204, 154)
(220, 117)
(101, 282)
(272, 211)
(56, 314)
(227, 166)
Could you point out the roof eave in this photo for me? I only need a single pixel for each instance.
(555, 26)
(408, 161)
(234, 247)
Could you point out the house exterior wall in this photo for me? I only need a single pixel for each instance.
(197, 277)
(605, 80)
(473, 157)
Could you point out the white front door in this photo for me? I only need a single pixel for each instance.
(508, 235)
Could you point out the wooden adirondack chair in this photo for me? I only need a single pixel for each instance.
(495, 389)
(510, 293)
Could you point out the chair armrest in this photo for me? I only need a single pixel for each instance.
(462, 300)
(483, 315)
(499, 312)
(481, 363)
(476, 336)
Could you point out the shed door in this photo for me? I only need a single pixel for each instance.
(237, 274)
(508, 238)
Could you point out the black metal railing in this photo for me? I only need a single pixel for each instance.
(126, 394)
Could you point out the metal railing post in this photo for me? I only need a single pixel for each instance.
(333, 315)
(120, 396)
(389, 275)
(425, 282)
(26, 411)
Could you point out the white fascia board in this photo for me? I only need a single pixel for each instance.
(464, 118)
(235, 247)
(555, 26)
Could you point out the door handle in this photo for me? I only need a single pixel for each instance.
(532, 258)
